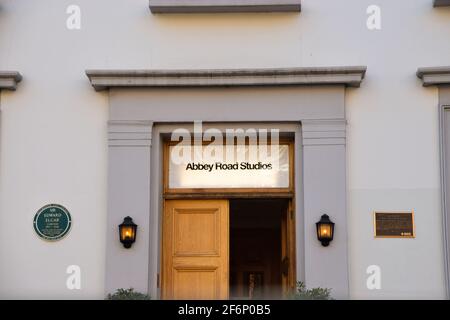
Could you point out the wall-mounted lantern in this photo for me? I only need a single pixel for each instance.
(127, 232)
(325, 230)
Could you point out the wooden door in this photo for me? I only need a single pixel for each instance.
(195, 249)
(288, 256)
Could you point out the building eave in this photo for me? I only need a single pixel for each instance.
(9, 80)
(348, 76)
(434, 76)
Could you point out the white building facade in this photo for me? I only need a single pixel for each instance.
(91, 91)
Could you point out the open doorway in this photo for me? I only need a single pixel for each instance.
(228, 249)
(258, 248)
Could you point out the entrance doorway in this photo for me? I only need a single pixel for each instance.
(256, 248)
(228, 249)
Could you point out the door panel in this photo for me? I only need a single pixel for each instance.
(195, 283)
(446, 184)
(195, 249)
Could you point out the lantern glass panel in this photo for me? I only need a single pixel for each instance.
(127, 233)
(325, 231)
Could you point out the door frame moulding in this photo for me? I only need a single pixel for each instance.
(440, 77)
(161, 132)
(445, 201)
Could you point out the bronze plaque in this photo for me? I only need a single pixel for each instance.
(394, 224)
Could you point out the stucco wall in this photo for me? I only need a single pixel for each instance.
(53, 129)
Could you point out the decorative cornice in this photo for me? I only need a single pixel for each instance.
(434, 76)
(441, 3)
(224, 6)
(9, 80)
(348, 76)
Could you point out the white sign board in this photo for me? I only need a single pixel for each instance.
(235, 166)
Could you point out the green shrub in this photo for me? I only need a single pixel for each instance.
(127, 294)
(302, 293)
